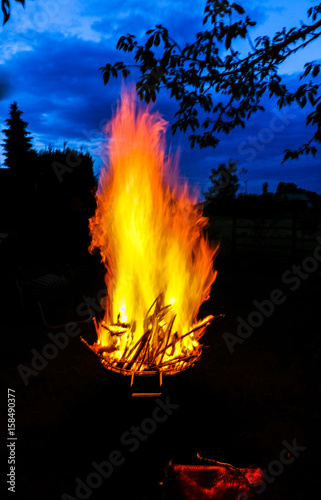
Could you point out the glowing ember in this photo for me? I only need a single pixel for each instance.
(150, 235)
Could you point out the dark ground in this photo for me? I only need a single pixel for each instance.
(237, 408)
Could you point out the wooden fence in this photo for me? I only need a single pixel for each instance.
(292, 234)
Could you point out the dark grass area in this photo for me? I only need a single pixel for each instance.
(235, 407)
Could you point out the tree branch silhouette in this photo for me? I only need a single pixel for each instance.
(211, 76)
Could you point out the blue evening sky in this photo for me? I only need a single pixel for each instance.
(50, 57)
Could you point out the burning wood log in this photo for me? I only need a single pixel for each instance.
(144, 356)
(151, 232)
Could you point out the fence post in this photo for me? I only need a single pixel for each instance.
(234, 230)
(294, 231)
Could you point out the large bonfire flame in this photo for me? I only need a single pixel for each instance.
(159, 265)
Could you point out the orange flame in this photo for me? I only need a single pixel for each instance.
(150, 236)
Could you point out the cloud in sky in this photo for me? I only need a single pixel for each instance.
(50, 58)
